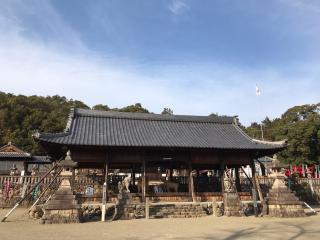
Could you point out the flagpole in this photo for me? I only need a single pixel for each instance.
(258, 93)
(261, 131)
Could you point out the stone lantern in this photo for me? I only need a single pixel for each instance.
(14, 170)
(280, 200)
(34, 170)
(63, 207)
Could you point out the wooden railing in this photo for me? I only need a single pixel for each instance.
(25, 179)
(83, 183)
(92, 180)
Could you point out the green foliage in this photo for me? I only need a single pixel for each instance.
(101, 107)
(167, 111)
(300, 125)
(214, 115)
(20, 116)
(132, 108)
(301, 190)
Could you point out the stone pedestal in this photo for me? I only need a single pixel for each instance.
(125, 210)
(282, 202)
(63, 207)
(232, 204)
(231, 199)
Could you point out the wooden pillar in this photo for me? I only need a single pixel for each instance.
(222, 174)
(25, 167)
(133, 175)
(263, 169)
(255, 179)
(237, 177)
(105, 190)
(171, 173)
(144, 180)
(191, 185)
(196, 183)
(73, 180)
(254, 188)
(106, 177)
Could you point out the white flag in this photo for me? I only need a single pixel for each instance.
(258, 92)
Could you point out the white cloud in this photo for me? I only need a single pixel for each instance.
(178, 6)
(30, 66)
(303, 5)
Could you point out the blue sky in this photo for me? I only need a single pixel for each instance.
(196, 57)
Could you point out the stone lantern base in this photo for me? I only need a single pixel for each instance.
(282, 202)
(63, 207)
(232, 205)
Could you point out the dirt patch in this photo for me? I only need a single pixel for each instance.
(20, 227)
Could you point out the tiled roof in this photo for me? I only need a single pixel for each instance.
(14, 155)
(116, 129)
(40, 159)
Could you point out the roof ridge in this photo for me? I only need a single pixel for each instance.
(12, 148)
(70, 118)
(257, 141)
(280, 143)
(38, 135)
(153, 116)
(243, 132)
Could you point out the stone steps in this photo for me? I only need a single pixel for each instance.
(177, 211)
(63, 197)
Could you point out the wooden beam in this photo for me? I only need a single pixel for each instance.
(247, 176)
(73, 180)
(191, 185)
(106, 172)
(238, 185)
(254, 189)
(133, 175)
(222, 174)
(263, 168)
(25, 167)
(105, 188)
(171, 173)
(29, 192)
(256, 181)
(144, 180)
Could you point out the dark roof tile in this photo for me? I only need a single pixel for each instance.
(14, 155)
(106, 128)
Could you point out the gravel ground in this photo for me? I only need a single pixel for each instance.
(21, 227)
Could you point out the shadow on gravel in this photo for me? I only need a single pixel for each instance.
(288, 231)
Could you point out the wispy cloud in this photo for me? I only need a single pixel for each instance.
(32, 65)
(47, 27)
(178, 6)
(304, 5)
(29, 68)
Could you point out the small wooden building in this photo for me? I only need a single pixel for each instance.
(14, 160)
(150, 145)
